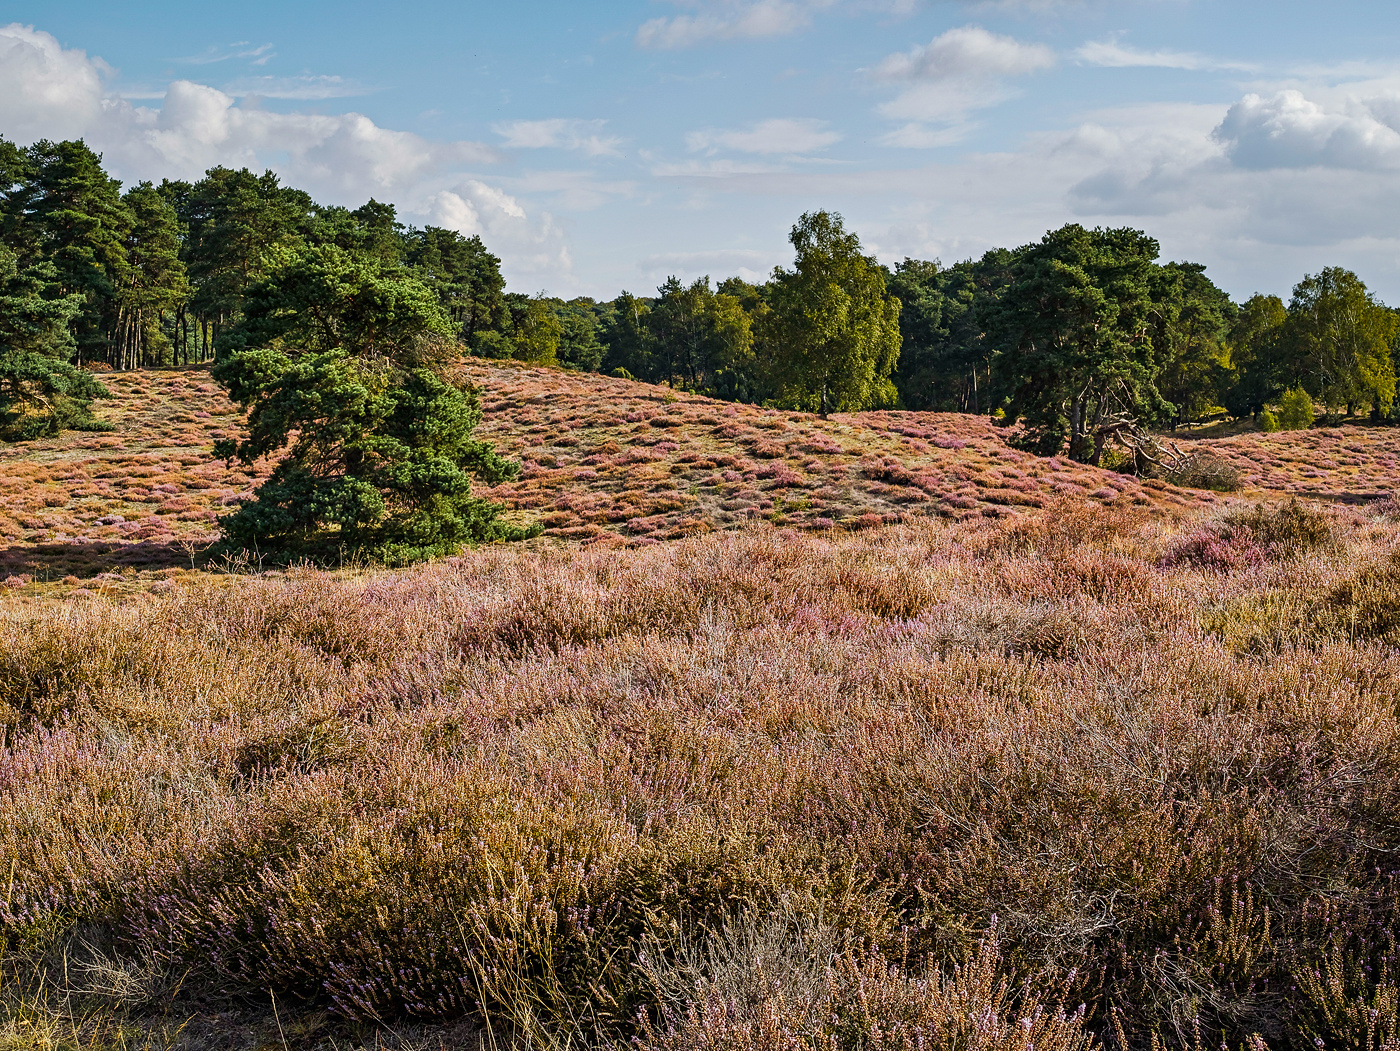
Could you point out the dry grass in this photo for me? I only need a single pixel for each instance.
(606, 460)
(127, 500)
(941, 782)
(1049, 759)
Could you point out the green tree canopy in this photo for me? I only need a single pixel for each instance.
(72, 216)
(1074, 354)
(1189, 324)
(153, 282)
(1341, 340)
(233, 219)
(833, 335)
(699, 336)
(535, 329)
(341, 358)
(627, 341)
(468, 281)
(40, 391)
(1257, 355)
(579, 347)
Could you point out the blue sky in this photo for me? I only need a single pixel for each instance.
(602, 146)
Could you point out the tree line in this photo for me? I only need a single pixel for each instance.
(1066, 334)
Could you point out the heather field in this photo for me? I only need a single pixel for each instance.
(125, 499)
(609, 459)
(605, 460)
(1078, 770)
(1352, 464)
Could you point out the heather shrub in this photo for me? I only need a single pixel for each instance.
(1287, 529)
(763, 986)
(1219, 548)
(939, 781)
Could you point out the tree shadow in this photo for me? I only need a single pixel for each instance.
(89, 558)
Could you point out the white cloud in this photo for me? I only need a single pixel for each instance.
(344, 155)
(1290, 130)
(967, 53)
(46, 91)
(962, 70)
(258, 55)
(559, 134)
(574, 191)
(729, 20)
(750, 264)
(49, 92)
(1113, 54)
(305, 88)
(778, 136)
(530, 250)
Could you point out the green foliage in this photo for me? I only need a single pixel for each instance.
(535, 330)
(701, 337)
(340, 358)
(1190, 321)
(1268, 422)
(579, 347)
(467, 279)
(40, 392)
(153, 282)
(1074, 351)
(833, 335)
(233, 221)
(1342, 341)
(1295, 410)
(1257, 355)
(943, 358)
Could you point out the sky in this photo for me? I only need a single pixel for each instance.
(603, 146)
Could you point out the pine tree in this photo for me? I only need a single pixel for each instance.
(343, 363)
(80, 224)
(40, 392)
(153, 282)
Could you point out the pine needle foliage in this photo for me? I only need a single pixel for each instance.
(343, 362)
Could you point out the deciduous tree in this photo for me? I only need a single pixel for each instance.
(833, 332)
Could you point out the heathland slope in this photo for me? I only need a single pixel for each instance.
(1351, 464)
(609, 456)
(612, 461)
(605, 459)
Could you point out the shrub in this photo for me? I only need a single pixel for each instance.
(1204, 470)
(1268, 422)
(1295, 410)
(1286, 529)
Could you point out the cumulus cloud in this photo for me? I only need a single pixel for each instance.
(344, 155)
(962, 70)
(530, 249)
(719, 20)
(559, 134)
(1290, 130)
(778, 136)
(46, 91)
(968, 53)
